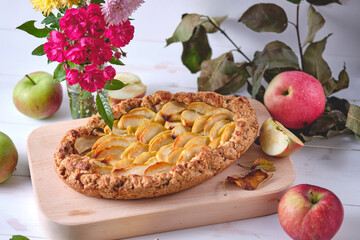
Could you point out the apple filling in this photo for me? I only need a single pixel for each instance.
(144, 142)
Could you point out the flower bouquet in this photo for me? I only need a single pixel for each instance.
(85, 38)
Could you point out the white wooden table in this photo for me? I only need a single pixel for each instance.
(332, 164)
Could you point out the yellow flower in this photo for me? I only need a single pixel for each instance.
(69, 3)
(46, 6)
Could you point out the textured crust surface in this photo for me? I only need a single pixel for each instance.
(78, 173)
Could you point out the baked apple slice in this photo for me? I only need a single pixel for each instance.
(183, 138)
(199, 107)
(188, 117)
(143, 112)
(159, 168)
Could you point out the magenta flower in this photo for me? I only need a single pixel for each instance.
(54, 48)
(94, 10)
(74, 23)
(96, 26)
(120, 35)
(76, 54)
(103, 52)
(72, 76)
(118, 11)
(58, 38)
(109, 73)
(92, 79)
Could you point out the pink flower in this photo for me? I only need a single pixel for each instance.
(103, 52)
(54, 52)
(120, 35)
(58, 38)
(76, 54)
(96, 26)
(109, 73)
(74, 23)
(117, 54)
(92, 79)
(72, 76)
(94, 10)
(118, 11)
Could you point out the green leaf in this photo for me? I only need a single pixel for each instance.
(265, 17)
(294, 1)
(323, 2)
(256, 72)
(39, 51)
(353, 119)
(30, 28)
(51, 20)
(196, 50)
(116, 61)
(210, 28)
(314, 63)
(315, 23)
(104, 109)
(184, 31)
(114, 85)
(85, 94)
(19, 237)
(260, 93)
(59, 73)
(276, 54)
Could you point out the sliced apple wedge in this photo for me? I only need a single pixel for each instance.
(142, 127)
(151, 161)
(150, 132)
(188, 153)
(125, 154)
(199, 107)
(142, 111)
(171, 125)
(227, 133)
(174, 155)
(116, 141)
(85, 143)
(132, 169)
(199, 123)
(171, 108)
(278, 141)
(178, 130)
(215, 142)
(212, 120)
(115, 129)
(103, 169)
(123, 163)
(111, 150)
(103, 139)
(215, 130)
(162, 154)
(130, 137)
(159, 168)
(160, 140)
(144, 157)
(131, 120)
(215, 111)
(198, 140)
(183, 138)
(188, 117)
(136, 151)
(111, 160)
(158, 118)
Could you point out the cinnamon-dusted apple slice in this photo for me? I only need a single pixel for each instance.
(174, 155)
(212, 120)
(131, 120)
(198, 140)
(215, 142)
(171, 108)
(199, 123)
(188, 153)
(85, 143)
(103, 139)
(125, 154)
(215, 111)
(160, 140)
(215, 130)
(150, 132)
(171, 125)
(136, 151)
(162, 154)
(111, 150)
(228, 131)
(159, 168)
(116, 141)
(183, 138)
(132, 169)
(188, 117)
(199, 107)
(144, 157)
(178, 130)
(143, 112)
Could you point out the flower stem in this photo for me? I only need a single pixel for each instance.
(33, 82)
(298, 36)
(224, 33)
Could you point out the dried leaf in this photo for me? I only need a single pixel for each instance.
(260, 94)
(314, 63)
(210, 28)
(262, 163)
(315, 23)
(196, 50)
(323, 2)
(256, 72)
(265, 17)
(333, 85)
(353, 119)
(185, 29)
(251, 180)
(238, 74)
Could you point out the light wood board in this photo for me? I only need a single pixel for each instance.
(67, 214)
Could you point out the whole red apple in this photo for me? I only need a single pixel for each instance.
(8, 157)
(310, 212)
(295, 99)
(37, 95)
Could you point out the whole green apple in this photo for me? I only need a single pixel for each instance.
(37, 95)
(8, 157)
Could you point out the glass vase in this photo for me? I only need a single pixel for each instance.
(80, 107)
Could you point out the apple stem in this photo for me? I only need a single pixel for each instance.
(30, 79)
(314, 198)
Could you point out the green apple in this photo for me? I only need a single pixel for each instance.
(275, 140)
(37, 95)
(8, 157)
(133, 88)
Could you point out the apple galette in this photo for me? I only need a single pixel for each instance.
(160, 144)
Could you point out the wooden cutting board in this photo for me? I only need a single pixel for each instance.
(67, 214)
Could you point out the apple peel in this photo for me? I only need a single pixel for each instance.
(252, 180)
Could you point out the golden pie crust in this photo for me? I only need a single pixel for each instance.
(79, 173)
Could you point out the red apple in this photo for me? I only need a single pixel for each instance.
(310, 212)
(295, 98)
(275, 140)
(133, 88)
(37, 95)
(8, 157)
